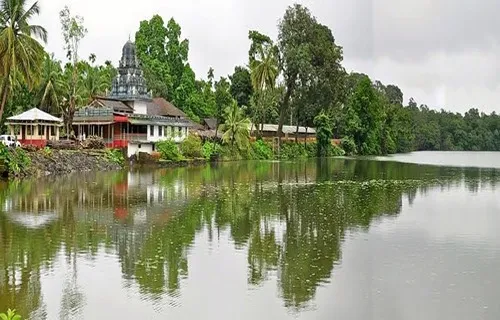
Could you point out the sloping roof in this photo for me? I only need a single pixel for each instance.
(286, 129)
(168, 109)
(34, 114)
(115, 105)
(211, 123)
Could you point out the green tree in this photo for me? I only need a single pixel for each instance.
(310, 62)
(241, 86)
(236, 127)
(73, 31)
(21, 55)
(364, 118)
(49, 90)
(164, 57)
(223, 100)
(263, 64)
(150, 42)
(97, 80)
(324, 134)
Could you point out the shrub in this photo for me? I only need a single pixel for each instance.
(349, 146)
(47, 151)
(168, 150)
(211, 150)
(10, 315)
(292, 150)
(336, 151)
(191, 147)
(16, 160)
(262, 150)
(115, 156)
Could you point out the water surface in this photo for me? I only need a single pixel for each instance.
(319, 239)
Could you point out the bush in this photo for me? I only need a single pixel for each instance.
(168, 150)
(10, 315)
(211, 150)
(292, 150)
(349, 146)
(191, 147)
(336, 151)
(262, 150)
(115, 156)
(15, 160)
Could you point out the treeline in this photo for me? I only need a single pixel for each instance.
(296, 79)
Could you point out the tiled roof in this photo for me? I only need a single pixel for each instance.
(115, 105)
(166, 108)
(211, 123)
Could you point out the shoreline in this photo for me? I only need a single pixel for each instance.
(22, 164)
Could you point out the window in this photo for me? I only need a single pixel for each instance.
(160, 131)
(52, 131)
(180, 132)
(29, 131)
(151, 130)
(168, 131)
(41, 130)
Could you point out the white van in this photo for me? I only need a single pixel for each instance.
(9, 141)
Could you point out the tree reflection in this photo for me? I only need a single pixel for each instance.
(290, 218)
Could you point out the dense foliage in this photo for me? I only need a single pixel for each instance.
(169, 150)
(192, 147)
(14, 160)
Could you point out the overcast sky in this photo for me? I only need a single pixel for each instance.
(441, 52)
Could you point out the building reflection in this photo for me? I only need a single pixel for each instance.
(291, 218)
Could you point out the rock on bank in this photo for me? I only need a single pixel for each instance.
(21, 163)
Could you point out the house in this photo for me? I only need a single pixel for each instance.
(269, 131)
(210, 123)
(130, 117)
(34, 127)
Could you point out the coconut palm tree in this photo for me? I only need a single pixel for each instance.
(264, 68)
(50, 89)
(20, 52)
(95, 80)
(236, 128)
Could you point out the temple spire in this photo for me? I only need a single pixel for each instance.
(129, 82)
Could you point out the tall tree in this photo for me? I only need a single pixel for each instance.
(73, 31)
(164, 57)
(364, 117)
(263, 61)
(21, 55)
(49, 90)
(96, 79)
(241, 86)
(223, 100)
(310, 62)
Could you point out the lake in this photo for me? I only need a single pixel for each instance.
(317, 239)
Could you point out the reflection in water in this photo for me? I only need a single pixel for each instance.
(290, 219)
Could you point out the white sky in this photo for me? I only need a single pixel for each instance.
(441, 52)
